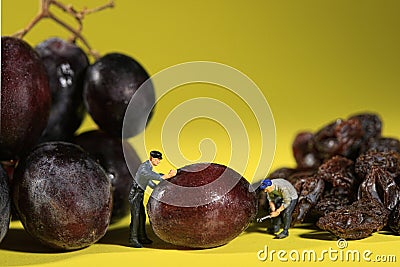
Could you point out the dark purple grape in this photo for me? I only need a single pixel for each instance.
(223, 218)
(110, 83)
(109, 152)
(66, 64)
(25, 98)
(62, 196)
(5, 203)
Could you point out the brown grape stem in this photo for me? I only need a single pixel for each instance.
(9, 167)
(77, 15)
(8, 163)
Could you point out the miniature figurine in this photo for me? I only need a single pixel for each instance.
(145, 176)
(282, 197)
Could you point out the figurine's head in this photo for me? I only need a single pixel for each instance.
(266, 185)
(155, 157)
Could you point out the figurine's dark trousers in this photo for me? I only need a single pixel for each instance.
(138, 215)
(285, 217)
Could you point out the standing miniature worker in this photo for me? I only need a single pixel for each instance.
(145, 176)
(282, 197)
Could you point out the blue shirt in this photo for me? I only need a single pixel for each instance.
(145, 176)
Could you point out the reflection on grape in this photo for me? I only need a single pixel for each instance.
(66, 64)
(62, 196)
(25, 98)
(109, 85)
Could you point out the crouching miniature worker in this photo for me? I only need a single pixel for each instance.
(145, 176)
(282, 197)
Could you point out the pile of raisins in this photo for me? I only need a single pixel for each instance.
(347, 177)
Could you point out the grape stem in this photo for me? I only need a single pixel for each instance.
(44, 12)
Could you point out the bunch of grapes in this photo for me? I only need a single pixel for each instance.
(66, 189)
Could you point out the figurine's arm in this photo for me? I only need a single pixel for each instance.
(271, 203)
(285, 202)
(170, 174)
(286, 198)
(272, 206)
(153, 176)
(150, 176)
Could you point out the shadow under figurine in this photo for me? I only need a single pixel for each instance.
(280, 201)
(145, 176)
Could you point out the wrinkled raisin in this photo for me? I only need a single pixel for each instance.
(338, 171)
(371, 124)
(328, 204)
(388, 161)
(382, 144)
(310, 190)
(304, 151)
(342, 137)
(356, 221)
(298, 176)
(380, 185)
(394, 219)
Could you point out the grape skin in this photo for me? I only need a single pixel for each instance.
(109, 152)
(65, 64)
(109, 85)
(25, 98)
(62, 197)
(5, 204)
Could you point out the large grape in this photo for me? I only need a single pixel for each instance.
(109, 85)
(109, 152)
(62, 196)
(203, 206)
(66, 64)
(25, 98)
(5, 203)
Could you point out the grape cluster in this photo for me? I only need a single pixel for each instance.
(67, 188)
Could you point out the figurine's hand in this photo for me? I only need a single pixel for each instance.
(275, 213)
(171, 174)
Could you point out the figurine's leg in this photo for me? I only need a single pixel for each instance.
(143, 239)
(287, 219)
(275, 225)
(135, 199)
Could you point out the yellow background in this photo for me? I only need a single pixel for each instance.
(314, 61)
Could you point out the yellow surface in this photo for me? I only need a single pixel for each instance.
(314, 61)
